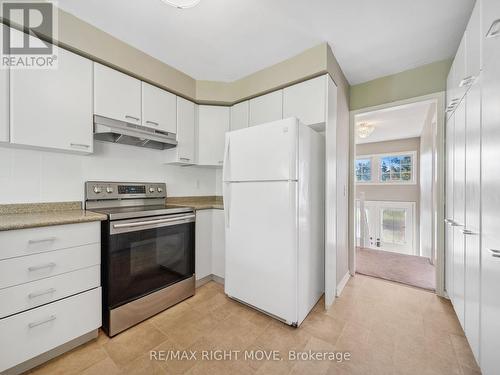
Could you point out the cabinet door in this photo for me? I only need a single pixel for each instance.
(218, 243)
(459, 213)
(53, 108)
(158, 108)
(460, 70)
(203, 239)
(490, 186)
(473, 58)
(306, 101)
(266, 108)
(450, 167)
(449, 93)
(473, 217)
(4, 105)
(239, 115)
(116, 95)
(213, 123)
(185, 130)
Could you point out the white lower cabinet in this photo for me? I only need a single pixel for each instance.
(210, 240)
(203, 244)
(52, 108)
(31, 333)
(218, 243)
(49, 289)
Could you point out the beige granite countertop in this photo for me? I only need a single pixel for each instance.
(22, 216)
(198, 203)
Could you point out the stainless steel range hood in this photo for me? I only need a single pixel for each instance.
(109, 130)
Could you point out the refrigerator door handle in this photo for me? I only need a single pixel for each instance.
(225, 182)
(225, 166)
(226, 187)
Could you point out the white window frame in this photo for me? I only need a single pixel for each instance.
(377, 173)
(372, 172)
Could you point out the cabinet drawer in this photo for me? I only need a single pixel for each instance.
(27, 296)
(17, 243)
(31, 333)
(22, 270)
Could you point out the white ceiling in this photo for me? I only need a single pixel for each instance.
(400, 122)
(225, 40)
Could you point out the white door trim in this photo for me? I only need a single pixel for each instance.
(438, 201)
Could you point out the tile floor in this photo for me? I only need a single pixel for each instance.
(387, 328)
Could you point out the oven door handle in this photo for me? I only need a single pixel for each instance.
(153, 222)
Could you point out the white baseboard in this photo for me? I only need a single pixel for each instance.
(342, 284)
(206, 279)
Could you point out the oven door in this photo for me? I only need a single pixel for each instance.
(148, 254)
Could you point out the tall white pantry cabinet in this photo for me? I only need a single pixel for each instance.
(473, 184)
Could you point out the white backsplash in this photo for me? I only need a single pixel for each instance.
(28, 176)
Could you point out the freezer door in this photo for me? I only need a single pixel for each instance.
(265, 152)
(261, 246)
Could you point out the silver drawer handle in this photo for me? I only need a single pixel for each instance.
(185, 159)
(42, 293)
(152, 123)
(41, 267)
(455, 224)
(48, 239)
(495, 251)
(82, 145)
(132, 118)
(494, 30)
(467, 81)
(467, 232)
(39, 323)
(150, 222)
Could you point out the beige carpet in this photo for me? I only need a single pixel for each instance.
(406, 269)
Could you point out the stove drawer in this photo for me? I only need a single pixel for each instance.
(22, 270)
(31, 333)
(22, 242)
(30, 295)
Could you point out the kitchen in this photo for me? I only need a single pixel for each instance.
(137, 200)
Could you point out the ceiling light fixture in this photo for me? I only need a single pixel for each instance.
(182, 4)
(365, 130)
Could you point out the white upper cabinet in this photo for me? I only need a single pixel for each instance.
(239, 115)
(158, 108)
(460, 69)
(473, 53)
(4, 105)
(266, 108)
(116, 95)
(213, 123)
(306, 101)
(53, 108)
(184, 153)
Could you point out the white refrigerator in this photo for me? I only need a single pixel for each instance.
(273, 187)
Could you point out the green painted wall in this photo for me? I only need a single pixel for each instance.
(424, 80)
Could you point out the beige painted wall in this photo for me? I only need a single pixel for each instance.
(83, 38)
(405, 193)
(427, 79)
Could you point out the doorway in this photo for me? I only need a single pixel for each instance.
(396, 192)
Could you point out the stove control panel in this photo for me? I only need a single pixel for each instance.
(99, 190)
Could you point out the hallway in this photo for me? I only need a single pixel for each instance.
(406, 269)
